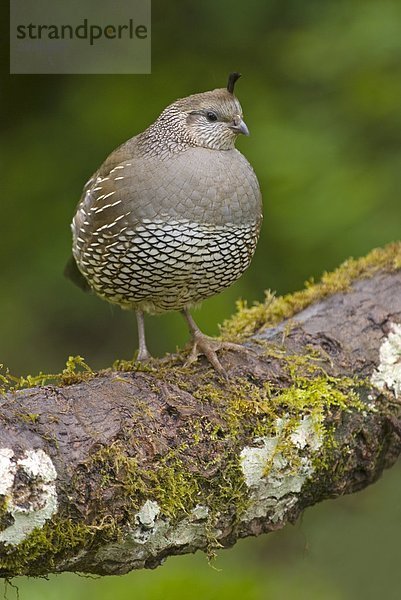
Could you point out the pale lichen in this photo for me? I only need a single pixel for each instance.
(146, 517)
(7, 470)
(141, 545)
(272, 478)
(29, 491)
(387, 376)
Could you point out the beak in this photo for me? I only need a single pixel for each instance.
(239, 126)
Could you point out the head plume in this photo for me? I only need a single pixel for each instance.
(232, 78)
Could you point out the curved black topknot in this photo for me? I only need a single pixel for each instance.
(232, 78)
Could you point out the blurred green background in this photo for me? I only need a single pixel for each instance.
(321, 93)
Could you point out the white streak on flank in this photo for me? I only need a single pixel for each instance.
(101, 229)
(89, 181)
(108, 225)
(387, 376)
(109, 194)
(102, 208)
(96, 189)
(117, 219)
(116, 178)
(31, 499)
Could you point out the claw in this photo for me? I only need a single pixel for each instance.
(203, 344)
(209, 347)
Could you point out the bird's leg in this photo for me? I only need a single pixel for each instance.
(203, 344)
(143, 353)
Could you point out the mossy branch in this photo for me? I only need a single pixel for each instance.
(108, 472)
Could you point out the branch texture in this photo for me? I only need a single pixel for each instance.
(118, 470)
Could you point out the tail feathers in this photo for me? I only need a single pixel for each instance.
(72, 272)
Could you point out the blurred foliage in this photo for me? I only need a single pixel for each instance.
(321, 93)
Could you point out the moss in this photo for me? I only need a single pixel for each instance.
(169, 482)
(75, 371)
(127, 366)
(172, 486)
(28, 417)
(57, 540)
(274, 309)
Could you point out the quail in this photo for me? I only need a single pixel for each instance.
(172, 216)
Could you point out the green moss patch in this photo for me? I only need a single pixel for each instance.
(274, 309)
(42, 551)
(76, 370)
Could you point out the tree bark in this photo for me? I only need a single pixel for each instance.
(120, 469)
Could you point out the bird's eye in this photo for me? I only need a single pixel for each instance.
(211, 116)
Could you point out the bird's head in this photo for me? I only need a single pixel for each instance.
(209, 119)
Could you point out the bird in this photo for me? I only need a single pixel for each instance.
(172, 216)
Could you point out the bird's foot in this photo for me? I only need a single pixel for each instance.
(203, 344)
